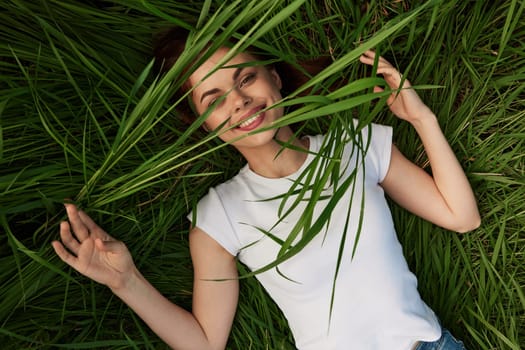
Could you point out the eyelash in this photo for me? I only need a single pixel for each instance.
(212, 101)
(248, 78)
(245, 80)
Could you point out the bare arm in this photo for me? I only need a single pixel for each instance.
(215, 287)
(445, 198)
(442, 200)
(92, 252)
(215, 294)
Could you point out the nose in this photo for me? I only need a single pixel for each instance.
(240, 99)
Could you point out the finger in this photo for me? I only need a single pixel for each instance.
(92, 226)
(369, 57)
(369, 54)
(393, 77)
(390, 98)
(67, 238)
(64, 255)
(366, 59)
(384, 62)
(79, 228)
(388, 70)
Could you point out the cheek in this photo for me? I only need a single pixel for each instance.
(216, 118)
(201, 109)
(275, 91)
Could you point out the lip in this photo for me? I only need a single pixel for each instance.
(250, 114)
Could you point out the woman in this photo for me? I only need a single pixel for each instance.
(376, 304)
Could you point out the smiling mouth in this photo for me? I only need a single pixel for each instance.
(249, 121)
(253, 121)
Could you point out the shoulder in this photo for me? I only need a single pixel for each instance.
(227, 189)
(375, 140)
(202, 245)
(376, 133)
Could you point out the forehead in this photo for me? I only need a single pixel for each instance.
(204, 69)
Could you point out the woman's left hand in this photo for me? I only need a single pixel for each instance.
(404, 102)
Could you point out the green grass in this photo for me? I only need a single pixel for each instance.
(82, 117)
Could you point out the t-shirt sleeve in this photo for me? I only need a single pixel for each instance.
(211, 217)
(380, 150)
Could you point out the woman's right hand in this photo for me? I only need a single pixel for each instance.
(93, 252)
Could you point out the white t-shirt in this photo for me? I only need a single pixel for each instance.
(376, 303)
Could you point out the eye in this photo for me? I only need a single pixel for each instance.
(248, 78)
(212, 101)
(215, 101)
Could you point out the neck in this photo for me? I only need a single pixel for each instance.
(273, 160)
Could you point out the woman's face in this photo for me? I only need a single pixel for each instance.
(245, 91)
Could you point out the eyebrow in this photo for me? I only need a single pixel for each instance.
(237, 73)
(213, 91)
(209, 92)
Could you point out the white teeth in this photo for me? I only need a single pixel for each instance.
(248, 121)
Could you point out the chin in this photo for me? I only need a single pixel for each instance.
(256, 140)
